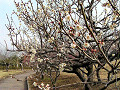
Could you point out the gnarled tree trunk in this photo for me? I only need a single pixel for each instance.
(78, 73)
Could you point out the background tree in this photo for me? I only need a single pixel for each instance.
(9, 60)
(69, 35)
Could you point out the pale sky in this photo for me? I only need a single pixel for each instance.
(6, 7)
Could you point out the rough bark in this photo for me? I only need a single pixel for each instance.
(78, 73)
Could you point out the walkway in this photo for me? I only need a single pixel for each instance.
(15, 84)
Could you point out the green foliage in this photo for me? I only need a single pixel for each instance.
(11, 61)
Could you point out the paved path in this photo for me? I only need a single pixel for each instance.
(14, 84)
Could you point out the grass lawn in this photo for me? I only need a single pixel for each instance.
(4, 74)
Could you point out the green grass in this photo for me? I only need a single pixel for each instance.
(4, 74)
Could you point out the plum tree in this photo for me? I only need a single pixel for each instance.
(73, 36)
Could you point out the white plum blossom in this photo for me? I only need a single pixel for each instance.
(114, 17)
(42, 84)
(106, 20)
(114, 24)
(39, 86)
(46, 59)
(67, 18)
(34, 84)
(40, 60)
(78, 27)
(86, 44)
(50, 40)
(39, 10)
(88, 37)
(37, 66)
(33, 51)
(31, 28)
(59, 54)
(113, 55)
(32, 58)
(62, 49)
(61, 2)
(77, 34)
(63, 43)
(111, 27)
(42, 87)
(47, 85)
(73, 45)
(62, 65)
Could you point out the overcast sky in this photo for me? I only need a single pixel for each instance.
(6, 7)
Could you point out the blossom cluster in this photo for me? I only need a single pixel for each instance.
(41, 86)
(62, 66)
